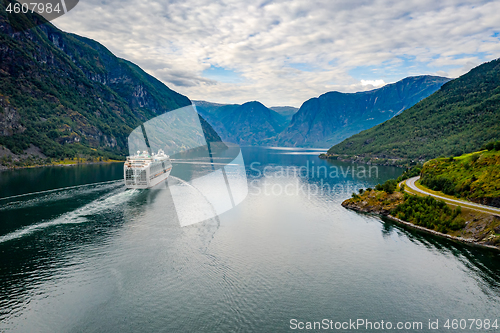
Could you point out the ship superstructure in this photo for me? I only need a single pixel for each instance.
(145, 170)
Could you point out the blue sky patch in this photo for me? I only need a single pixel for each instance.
(221, 74)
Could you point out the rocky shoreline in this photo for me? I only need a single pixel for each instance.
(395, 162)
(5, 168)
(32, 157)
(385, 212)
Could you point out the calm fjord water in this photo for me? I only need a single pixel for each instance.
(99, 258)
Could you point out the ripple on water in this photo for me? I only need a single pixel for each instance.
(128, 266)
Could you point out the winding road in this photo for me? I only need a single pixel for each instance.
(410, 183)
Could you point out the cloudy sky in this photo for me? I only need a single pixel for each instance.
(285, 52)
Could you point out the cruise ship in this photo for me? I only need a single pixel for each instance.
(145, 170)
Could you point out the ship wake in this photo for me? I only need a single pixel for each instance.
(80, 215)
(43, 197)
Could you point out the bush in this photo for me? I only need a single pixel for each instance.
(389, 186)
(439, 183)
(361, 191)
(493, 145)
(409, 173)
(441, 228)
(458, 223)
(430, 213)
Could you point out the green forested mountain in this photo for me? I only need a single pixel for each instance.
(67, 94)
(459, 118)
(334, 116)
(474, 176)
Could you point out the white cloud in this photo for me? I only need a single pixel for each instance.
(286, 52)
(373, 83)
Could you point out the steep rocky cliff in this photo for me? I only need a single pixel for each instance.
(68, 94)
(10, 121)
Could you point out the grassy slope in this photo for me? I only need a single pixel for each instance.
(478, 172)
(474, 176)
(483, 228)
(460, 117)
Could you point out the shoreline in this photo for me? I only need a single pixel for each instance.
(372, 161)
(468, 241)
(5, 168)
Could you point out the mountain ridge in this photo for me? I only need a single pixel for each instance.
(250, 123)
(460, 117)
(334, 116)
(331, 117)
(68, 94)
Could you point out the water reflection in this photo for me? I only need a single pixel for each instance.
(126, 264)
(483, 262)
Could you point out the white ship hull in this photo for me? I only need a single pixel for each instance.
(148, 183)
(144, 171)
(159, 179)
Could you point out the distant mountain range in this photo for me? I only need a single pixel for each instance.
(320, 122)
(334, 116)
(248, 124)
(459, 118)
(68, 95)
(285, 111)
